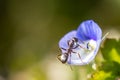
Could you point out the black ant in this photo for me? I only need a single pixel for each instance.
(72, 45)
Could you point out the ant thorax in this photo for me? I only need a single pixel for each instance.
(73, 42)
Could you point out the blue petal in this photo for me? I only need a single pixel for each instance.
(63, 41)
(89, 30)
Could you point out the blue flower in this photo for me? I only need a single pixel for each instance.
(79, 47)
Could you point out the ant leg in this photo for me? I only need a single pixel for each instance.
(62, 48)
(71, 67)
(73, 52)
(70, 58)
(75, 47)
(78, 45)
(68, 42)
(58, 57)
(80, 57)
(81, 46)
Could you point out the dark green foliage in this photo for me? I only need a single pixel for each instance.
(111, 50)
(110, 68)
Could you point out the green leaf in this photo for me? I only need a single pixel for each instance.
(111, 50)
(110, 67)
(100, 75)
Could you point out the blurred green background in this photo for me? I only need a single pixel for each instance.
(30, 31)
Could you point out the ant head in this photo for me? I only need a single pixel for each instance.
(63, 58)
(75, 39)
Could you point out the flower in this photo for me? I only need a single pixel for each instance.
(79, 47)
(90, 33)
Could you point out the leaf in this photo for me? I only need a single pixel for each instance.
(109, 69)
(100, 75)
(111, 51)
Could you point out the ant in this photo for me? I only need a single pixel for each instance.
(72, 44)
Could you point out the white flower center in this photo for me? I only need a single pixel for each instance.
(91, 45)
